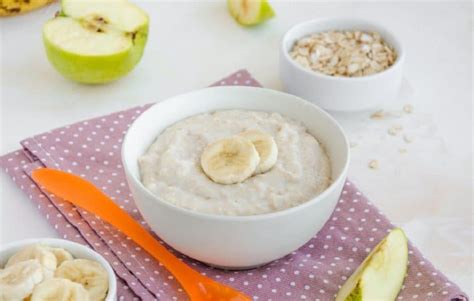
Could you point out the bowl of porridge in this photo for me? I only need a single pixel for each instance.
(342, 64)
(235, 177)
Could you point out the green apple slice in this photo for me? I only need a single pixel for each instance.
(96, 41)
(250, 12)
(121, 14)
(380, 276)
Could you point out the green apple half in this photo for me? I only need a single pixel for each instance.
(96, 41)
(250, 12)
(380, 276)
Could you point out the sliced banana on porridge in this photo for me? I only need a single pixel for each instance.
(230, 160)
(60, 290)
(266, 148)
(273, 158)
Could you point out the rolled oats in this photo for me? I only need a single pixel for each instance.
(402, 150)
(408, 139)
(378, 115)
(408, 108)
(374, 164)
(392, 131)
(395, 129)
(344, 53)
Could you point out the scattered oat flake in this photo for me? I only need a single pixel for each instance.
(408, 139)
(392, 131)
(408, 108)
(378, 115)
(395, 129)
(374, 164)
(402, 150)
(353, 144)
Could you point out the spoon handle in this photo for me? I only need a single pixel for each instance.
(85, 195)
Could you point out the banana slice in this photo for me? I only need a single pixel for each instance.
(89, 273)
(59, 289)
(266, 148)
(18, 281)
(39, 252)
(15, 7)
(61, 255)
(230, 160)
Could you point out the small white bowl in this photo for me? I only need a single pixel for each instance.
(340, 93)
(77, 250)
(235, 241)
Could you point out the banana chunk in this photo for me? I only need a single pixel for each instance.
(60, 254)
(89, 273)
(39, 252)
(58, 289)
(15, 7)
(229, 161)
(18, 281)
(266, 148)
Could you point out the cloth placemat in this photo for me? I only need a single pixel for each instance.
(314, 272)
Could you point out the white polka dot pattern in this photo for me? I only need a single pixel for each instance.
(49, 209)
(314, 272)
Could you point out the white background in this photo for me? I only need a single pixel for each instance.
(428, 190)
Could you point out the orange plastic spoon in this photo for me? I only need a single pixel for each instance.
(85, 195)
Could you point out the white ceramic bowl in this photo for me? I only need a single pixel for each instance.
(235, 241)
(340, 93)
(77, 250)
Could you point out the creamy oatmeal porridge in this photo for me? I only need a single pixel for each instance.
(171, 167)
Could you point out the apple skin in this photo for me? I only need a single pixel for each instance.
(265, 13)
(97, 69)
(393, 247)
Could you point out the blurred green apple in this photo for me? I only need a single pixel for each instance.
(96, 41)
(250, 12)
(380, 276)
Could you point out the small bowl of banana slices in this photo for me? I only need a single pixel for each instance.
(54, 269)
(235, 177)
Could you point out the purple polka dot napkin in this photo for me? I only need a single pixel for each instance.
(314, 272)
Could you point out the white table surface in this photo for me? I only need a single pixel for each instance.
(428, 190)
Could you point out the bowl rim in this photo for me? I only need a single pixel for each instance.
(240, 218)
(67, 245)
(308, 23)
